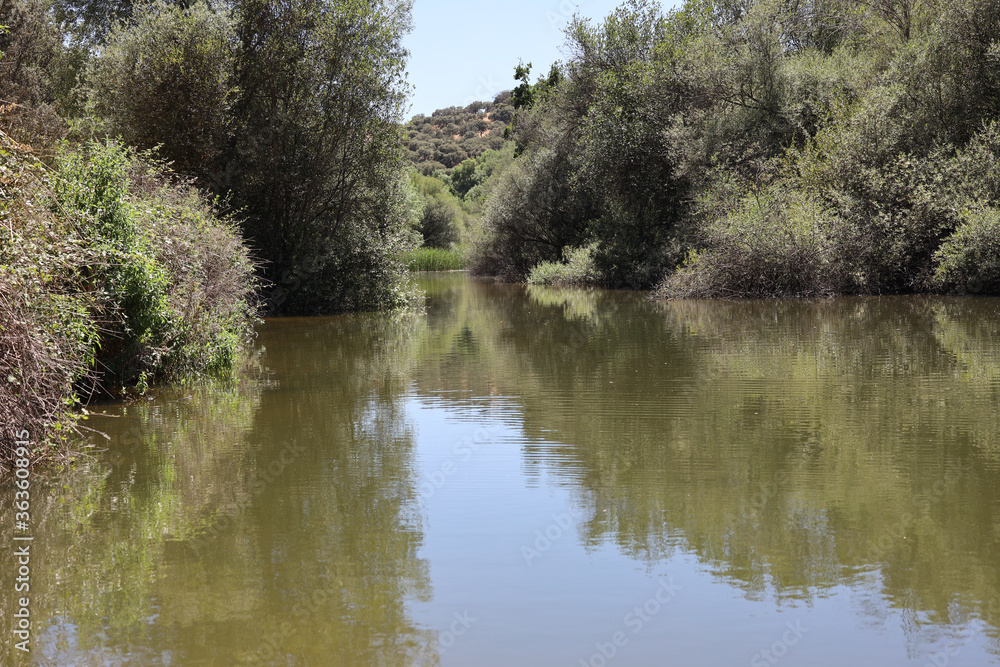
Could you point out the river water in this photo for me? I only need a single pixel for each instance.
(540, 476)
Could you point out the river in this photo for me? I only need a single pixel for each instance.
(539, 476)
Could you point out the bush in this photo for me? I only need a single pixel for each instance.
(969, 260)
(776, 243)
(578, 269)
(93, 189)
(535, 210)
(865, 118)
(442, 220)
(165, 79)
(113, 272)
(895, 202)
(211, 291)
(48, 336)
(175, 281)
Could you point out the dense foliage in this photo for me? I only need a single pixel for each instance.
(451, 200)
(762, 147)
(441, 222)
(123, 261)
(113, 273)
(292, 111)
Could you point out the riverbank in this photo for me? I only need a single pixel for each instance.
(764, 152)
(114, 274)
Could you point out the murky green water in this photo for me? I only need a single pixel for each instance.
(545, 477)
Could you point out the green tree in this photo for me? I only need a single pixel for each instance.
(522, 95)
(464, 177)
(167, 79)
(36, 72)
(90, 21)
(441, 221)
(319, 154)
(28, 44)
(291, 110)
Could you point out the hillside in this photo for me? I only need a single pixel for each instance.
(448, 136)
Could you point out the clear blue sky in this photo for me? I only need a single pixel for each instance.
(465, 51)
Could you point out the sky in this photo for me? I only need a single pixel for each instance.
(462, 51)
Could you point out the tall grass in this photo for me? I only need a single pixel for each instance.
(436, 259)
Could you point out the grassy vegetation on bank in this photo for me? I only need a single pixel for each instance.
(436, 259)
(578, 269)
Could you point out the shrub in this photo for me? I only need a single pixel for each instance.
(92, 187)
(112, 272)
(175, 281)
(442, 221)
(47, 333)
(775, 243)
(211, 295)
(535, 211)
(440, 224)
(578, 269)
(969, 259)
(894, 205)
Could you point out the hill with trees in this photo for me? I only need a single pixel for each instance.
(449, 136)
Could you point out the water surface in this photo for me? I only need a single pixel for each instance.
(533, 476)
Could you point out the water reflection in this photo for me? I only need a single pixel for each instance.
(267, 523)
(796, 447)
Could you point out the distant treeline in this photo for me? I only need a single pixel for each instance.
(744, 148)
